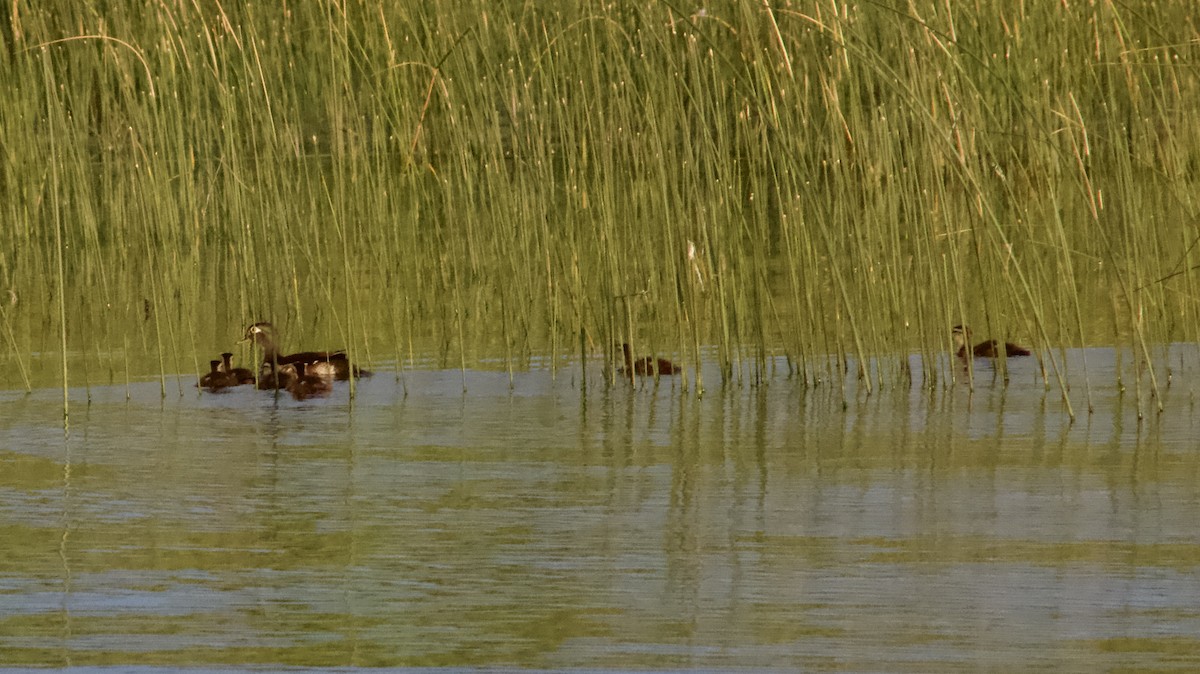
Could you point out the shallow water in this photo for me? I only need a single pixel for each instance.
(547, 525)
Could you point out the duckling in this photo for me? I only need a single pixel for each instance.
(987, 349)
(240, 375)
(215, 379)
(327, 363)
(308, 385)
(646, 367)
(272, 377)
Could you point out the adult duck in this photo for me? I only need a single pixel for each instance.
(332, 364)
(648, 366)
(986, 349)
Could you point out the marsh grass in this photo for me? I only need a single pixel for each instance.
(812, 184)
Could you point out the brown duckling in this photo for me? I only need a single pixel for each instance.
(646, 367)
(986, 349)
(333, 364)
(272, 377)
(240, 375)
(215, 379)
(307, 385)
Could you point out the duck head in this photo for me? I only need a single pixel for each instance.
(260, 333)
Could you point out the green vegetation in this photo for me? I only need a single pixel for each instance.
(498, 181)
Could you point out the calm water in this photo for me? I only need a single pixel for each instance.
(554, 526)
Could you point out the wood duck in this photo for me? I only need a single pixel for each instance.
(215, 379)
(308, 385)
(332, 364)
(646, 367)
(987, 349)
(240, 375)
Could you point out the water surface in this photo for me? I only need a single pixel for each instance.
(546, 524)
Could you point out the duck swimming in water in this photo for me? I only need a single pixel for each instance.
(986, 349)
(239, 375)
(646, 367)
(332, 364)
(307, 385)
(272, 377)
(215, 379)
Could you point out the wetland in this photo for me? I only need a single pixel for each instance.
(792, 202)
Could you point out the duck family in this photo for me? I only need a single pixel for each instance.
(305, 374)
(308, 374)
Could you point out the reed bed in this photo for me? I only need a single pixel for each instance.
(831, 184)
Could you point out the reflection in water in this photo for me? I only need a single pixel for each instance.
(922, 529)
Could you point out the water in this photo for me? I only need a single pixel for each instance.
(550, 526)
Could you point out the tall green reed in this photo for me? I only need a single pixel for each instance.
(484, 184)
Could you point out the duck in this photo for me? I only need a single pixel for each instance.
(332, 364)
(307, 385)
(646, 367)
(215, 379)
(986, 349)
(240, 375)
(272, 377)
